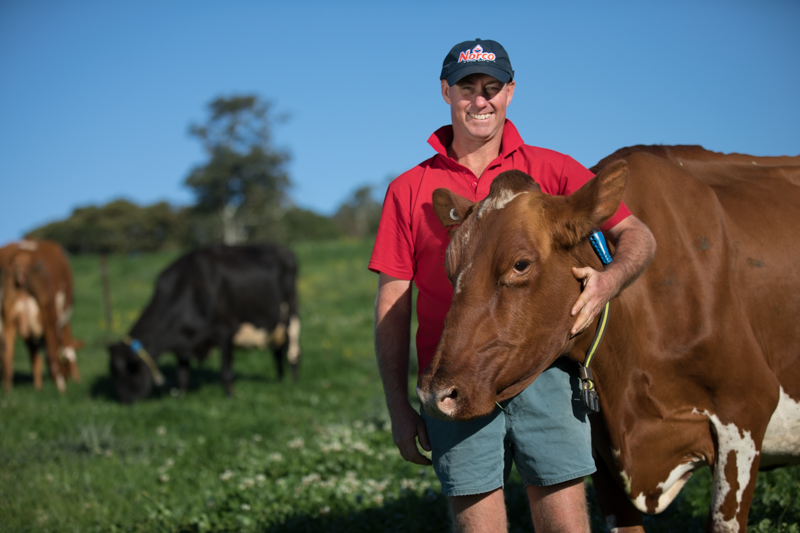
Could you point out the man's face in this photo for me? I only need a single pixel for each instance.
(478, 106)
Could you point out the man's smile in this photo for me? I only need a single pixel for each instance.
(480, 117)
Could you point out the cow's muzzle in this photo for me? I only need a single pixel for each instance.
(441, 404)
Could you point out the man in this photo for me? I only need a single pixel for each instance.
(472, 459)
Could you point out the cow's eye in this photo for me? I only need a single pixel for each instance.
(521, 266)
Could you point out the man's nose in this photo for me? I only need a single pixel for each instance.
(480, 100)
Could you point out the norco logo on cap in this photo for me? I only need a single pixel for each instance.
(476, 54)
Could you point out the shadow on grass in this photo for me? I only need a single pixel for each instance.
(201, 376)
(429, 513)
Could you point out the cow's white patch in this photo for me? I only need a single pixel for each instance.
(460, 276)
(249, 336)
(669, 488)
(782, 441)
(278, 335)
(730, 439)
(675, 482)
(70, 355)
(28, 316)
(28, 245)
(63, 313)
(294, 340)
(499, 201)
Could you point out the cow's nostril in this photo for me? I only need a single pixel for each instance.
(448, 396)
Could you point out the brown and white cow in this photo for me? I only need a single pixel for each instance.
(37, 298)
(700, 364)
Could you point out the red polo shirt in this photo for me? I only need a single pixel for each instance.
(411, 241)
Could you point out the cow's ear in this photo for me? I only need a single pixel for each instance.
(451, 208)
(591, 205)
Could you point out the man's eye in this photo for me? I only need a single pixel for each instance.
(521, 266)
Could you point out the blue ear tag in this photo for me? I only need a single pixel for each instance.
(600, 247)
(136, 345)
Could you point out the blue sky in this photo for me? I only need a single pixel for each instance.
(96, 97)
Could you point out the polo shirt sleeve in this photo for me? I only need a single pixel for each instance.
(393, 253)
(574, 176)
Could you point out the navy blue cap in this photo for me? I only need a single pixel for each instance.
(478, 56)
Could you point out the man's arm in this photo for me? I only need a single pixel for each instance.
(392, 337)
(635, 248)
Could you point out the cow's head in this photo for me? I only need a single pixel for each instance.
(22, 264)
(509, 261)
(132, 378)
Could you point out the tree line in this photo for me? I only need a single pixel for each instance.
(241, 194)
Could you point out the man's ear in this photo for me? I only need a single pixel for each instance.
(446, 91)
(451, 208)
(591, 205)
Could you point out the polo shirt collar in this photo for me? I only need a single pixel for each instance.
(442, 138)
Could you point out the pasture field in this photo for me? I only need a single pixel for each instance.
(311, 456)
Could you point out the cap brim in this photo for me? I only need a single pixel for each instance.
(479, 68)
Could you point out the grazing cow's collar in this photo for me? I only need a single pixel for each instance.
(138, 348)
(588, 391)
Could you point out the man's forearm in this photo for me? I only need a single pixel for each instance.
(392, 338)
(635, 248)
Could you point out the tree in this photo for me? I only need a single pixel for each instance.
(118, 226)
(359, 216)
(244, 182)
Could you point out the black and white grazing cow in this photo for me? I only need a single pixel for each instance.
(219, 295)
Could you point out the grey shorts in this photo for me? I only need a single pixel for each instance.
(544, 430)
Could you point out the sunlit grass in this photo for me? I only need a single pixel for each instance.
(316, 455)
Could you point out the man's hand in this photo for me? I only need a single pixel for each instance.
(407, 426)
(598, 288)
(635, 248)
(392, 338)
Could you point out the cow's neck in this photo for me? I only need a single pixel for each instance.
(148, 334)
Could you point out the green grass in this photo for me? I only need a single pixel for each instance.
(315, 455)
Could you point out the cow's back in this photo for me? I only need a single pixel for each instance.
(727, 229)
(220, 285)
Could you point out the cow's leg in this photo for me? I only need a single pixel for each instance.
(620, 514)
(734, 473)
(293, 352)
(9, 334)
(69, 362)
(52, 346)
(34, 349)
(278, 352)
(184, 372)
(227, 365)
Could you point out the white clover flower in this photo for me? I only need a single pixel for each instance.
(296, 443)
(226, 475)
(309, 479)
(361, 447)
(324, 510)
(245, 507)
(275, 457)
(163, 478)
(161, 431)
(261, 478)
(257, 437)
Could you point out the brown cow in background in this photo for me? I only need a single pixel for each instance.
(37, 296)
(700, 364)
